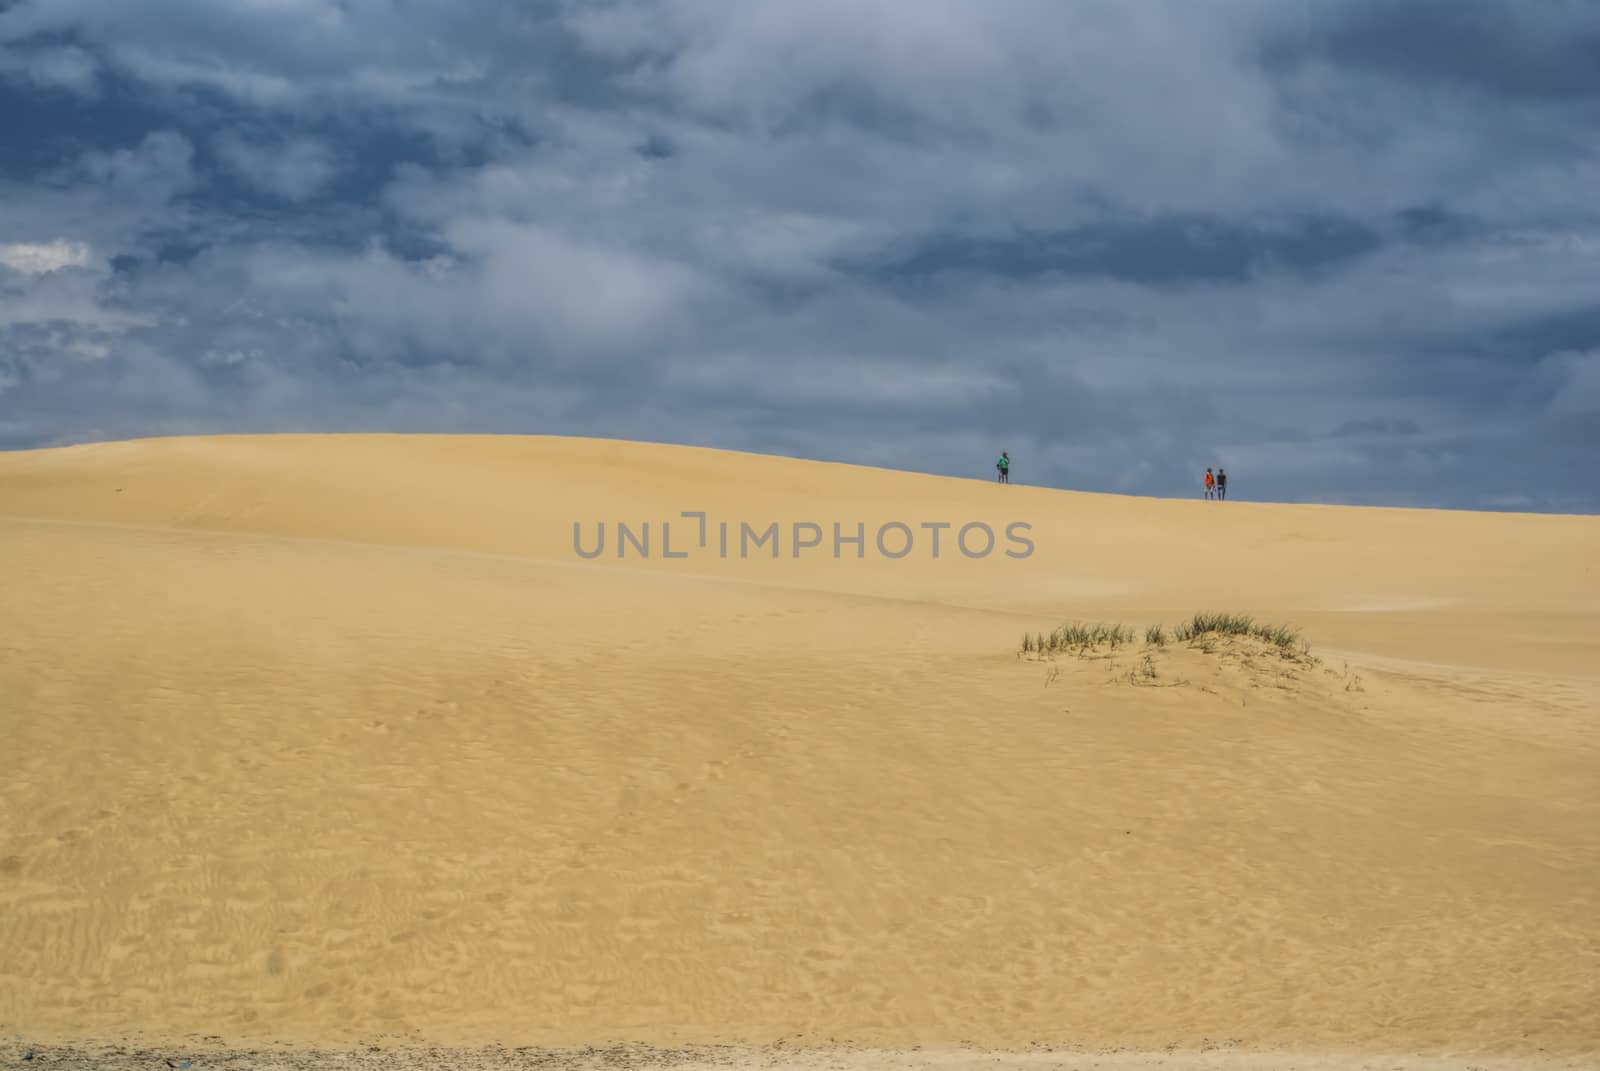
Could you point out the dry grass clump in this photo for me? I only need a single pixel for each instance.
(1204, 626)
(1076, 637)
(1201, 631)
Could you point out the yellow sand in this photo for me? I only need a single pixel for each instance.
(319, 738)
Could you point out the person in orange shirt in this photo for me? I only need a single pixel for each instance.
(1211, 483)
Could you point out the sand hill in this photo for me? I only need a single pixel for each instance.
(322, 739)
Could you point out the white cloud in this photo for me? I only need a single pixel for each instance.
(64, 67)
(37, 258)
(292, 168)
(154, 171)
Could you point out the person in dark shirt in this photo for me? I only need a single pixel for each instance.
(1222, 483)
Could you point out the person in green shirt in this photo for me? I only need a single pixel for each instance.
(1003, 467)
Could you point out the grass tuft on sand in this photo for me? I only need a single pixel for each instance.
(1076, 637)
(1204, 626)
(1202, 631)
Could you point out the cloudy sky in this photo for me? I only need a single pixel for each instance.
(1349, 249)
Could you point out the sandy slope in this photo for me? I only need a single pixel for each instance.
(324, 738)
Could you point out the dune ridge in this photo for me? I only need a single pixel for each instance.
(316, 739)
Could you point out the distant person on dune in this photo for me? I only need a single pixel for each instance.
(1211, 484)
(1003, 467)
(1222, 483)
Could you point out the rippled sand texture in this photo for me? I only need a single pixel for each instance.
(320, 739)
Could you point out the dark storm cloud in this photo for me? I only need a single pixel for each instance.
(1532, 338)
(1346, 251)
(1376, 426)
(1156, 252)
(1545, 51)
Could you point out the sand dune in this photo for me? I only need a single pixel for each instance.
(316, 739)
